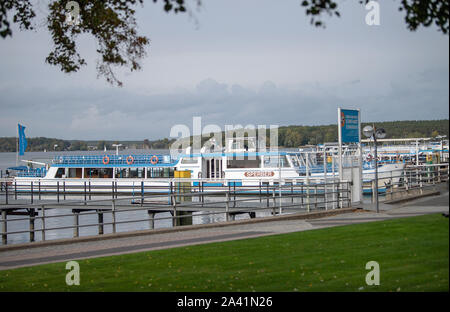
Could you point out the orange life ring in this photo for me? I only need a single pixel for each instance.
(130, 160)
(154, 160)
(105, 160)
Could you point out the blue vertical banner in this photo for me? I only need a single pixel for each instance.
(350, 126)
(22, 140)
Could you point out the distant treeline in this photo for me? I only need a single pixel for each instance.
(288, 136)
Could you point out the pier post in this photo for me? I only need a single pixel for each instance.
(6, 193)
(100, 222)
(32, 214)
(227, 206)
(4, 228)
(31, 192)
(151, 219)
(274, 212)
(174, 206)
(76, 221)
(113, 215)
(142, 193)
(43, 222)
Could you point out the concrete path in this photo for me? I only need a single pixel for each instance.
(65, 250)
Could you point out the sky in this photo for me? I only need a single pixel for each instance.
(230, 62)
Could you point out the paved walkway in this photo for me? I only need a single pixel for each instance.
(66, 250)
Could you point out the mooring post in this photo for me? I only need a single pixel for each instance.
(4, 228)
(32, 214)
(100, 222)
(113, 215)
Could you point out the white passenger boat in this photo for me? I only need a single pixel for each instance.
(240, 163)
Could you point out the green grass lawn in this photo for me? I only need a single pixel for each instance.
(412, 254)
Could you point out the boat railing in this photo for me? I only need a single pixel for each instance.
(115, 160)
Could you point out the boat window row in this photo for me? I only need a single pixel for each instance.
(108, 173)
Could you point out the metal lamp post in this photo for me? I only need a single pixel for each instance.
(380, 133)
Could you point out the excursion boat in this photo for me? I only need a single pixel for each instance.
(241, 163)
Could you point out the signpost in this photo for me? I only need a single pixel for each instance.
(349, 131)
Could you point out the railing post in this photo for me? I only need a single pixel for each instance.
(15, 190)
(142, 193)
(32, 214)
(85, 198)
(274, 202)
(64, 189)
(39, 186)
(76, 221)
(31, 191)
(90, 190)
(4, 227)
(227, 206)
(174, 216)
(113, 216)
(100, 222)
(43, 222)
(6, 193)
(57, 191)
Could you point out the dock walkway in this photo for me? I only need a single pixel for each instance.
(29, 254)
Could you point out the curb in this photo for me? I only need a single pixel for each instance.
(409, 198)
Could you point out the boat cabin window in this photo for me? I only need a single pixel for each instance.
(244, 162)
(75, 173)
(60, 172)
(276, 161)
(96, 173)
(189, 160)
(129, 173)
(160, 172)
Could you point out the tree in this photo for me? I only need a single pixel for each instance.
(113, 25)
